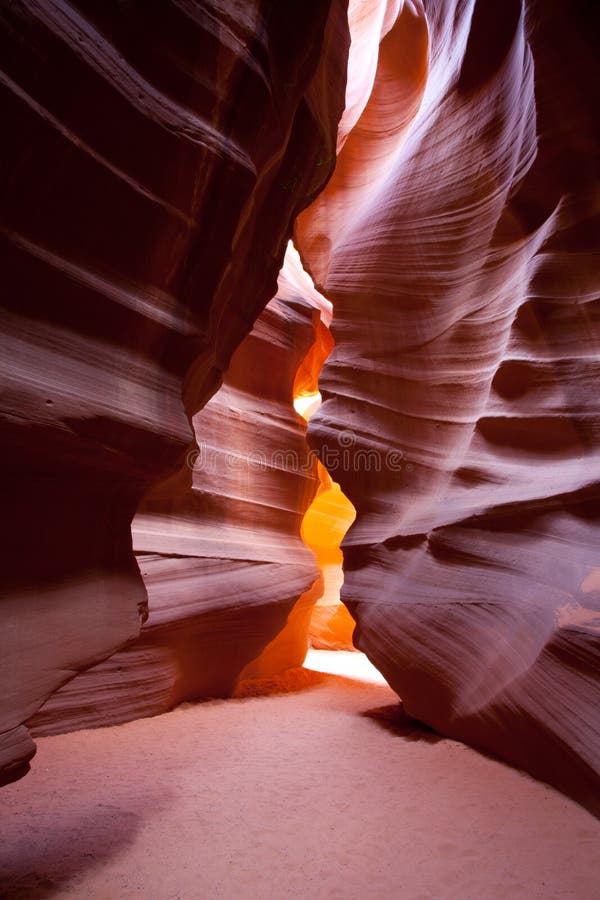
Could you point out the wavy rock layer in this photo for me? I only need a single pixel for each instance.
(222, 558)
(146, 218)
(458, 243)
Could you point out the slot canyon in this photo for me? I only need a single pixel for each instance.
(300, 436)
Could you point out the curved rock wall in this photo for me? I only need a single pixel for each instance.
(145, 221)
(458, 244)
(154, 160)
(222, 558)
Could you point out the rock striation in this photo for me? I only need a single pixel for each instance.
(222, 558)
(155, 157)
(458, 243)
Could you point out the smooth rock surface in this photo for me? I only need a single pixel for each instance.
(458, 243)
(222, 558)
(154, 158)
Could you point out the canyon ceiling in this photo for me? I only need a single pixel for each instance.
(436, 164)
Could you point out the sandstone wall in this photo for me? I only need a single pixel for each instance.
(458, 243)
(222, 558)
(155, 156)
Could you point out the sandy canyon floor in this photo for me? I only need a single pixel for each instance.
(310, 786)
